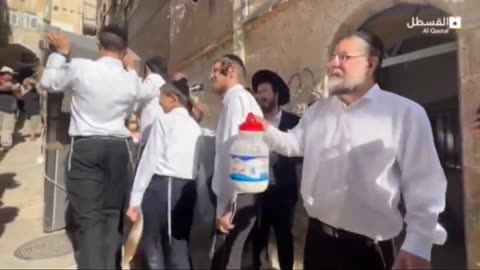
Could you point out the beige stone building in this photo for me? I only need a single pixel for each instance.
(434, 63)
(25, 20)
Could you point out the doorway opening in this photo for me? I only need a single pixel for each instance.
(421, 64)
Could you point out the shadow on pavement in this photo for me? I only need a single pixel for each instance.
(7, 214)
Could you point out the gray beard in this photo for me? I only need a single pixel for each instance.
(339, 88)
(341, 91)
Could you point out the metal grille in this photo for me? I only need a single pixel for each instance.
(444, 118)
(50, 246)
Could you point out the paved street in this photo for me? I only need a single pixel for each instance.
(21, 208)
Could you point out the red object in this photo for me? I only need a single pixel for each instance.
(251, 124)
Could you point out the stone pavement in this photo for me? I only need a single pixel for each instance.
(21, 208)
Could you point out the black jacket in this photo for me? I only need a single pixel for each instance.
(285, 168)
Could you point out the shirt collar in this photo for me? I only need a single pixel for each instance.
(111, 60)
(230, 92)
(277, 117)
(180, 110)
(370, 95)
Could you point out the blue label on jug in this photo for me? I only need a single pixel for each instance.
(249, 168)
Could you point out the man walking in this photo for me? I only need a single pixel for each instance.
(165, 186)
(227, 76)
(8, 106)
(277, 204)
(363, 148)
(103, 96)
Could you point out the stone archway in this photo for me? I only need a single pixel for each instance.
(371, 8)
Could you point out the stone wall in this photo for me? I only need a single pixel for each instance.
(194, 27)
(149, 29)
(294, 39)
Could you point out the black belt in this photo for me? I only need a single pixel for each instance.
(339, 233)
(75, 138)
(158, 177)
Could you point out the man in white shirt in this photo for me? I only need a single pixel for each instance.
(226, 77)
(103, 95)
(164, 185)
(155, 71)
(363, 148)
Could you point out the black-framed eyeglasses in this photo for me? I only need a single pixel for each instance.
(344, 57)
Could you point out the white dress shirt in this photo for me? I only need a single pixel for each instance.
(103, 93)
(237, 104)
(171, 150)
(358, 159)
(276, 120)
(150, 109)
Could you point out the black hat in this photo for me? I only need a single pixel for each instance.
(278, 85)
(182, 86)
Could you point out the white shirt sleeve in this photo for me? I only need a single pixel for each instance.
(149, 88)
(235, 114)
(423, 184)
(291, 143)
(146, 166)
(58, 75)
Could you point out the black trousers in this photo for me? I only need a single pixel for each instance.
(164, 251)
(344, 251)
(277, 211)
(229, 250)
(98, 173)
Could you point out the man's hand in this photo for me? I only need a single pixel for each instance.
(406, 260)
(147, 71)
(133, 213)
(262, 121)
(61, 43)
(198, 112)
(224, 224)
(130, 61)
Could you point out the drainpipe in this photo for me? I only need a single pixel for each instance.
(239, 9)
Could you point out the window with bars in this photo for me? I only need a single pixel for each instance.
(13, 18)
(33, 22)
(26, 20)
(444, 118)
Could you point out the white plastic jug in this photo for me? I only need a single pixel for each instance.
(249, 166)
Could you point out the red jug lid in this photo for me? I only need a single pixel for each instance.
(251, 124)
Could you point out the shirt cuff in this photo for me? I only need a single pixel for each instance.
(222, 206)
(418, 245)
(56, 60)
(269, 134)
(136, 199)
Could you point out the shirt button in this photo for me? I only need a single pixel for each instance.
(310, 200)
(348, 147)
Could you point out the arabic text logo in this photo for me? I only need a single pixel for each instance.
(455, 22)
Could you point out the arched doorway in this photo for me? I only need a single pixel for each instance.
(421, 64)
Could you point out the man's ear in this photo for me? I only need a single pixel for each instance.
(231, 70)
(373, 62)
(124, 53)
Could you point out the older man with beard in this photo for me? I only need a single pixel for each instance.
(363, 149)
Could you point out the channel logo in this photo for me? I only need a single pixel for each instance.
(455, 22)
